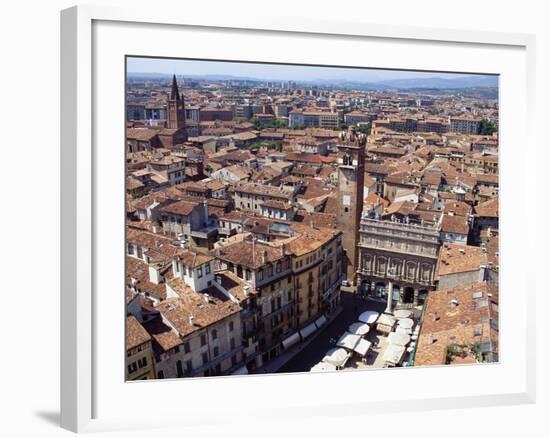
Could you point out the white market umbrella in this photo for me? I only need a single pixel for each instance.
(402, 313)
(406, 323)
(359, 328)
(403, 330)
(336, 356)
(348, 341)
(399, 339)
(387, 320)
(362, 347)
(393, 354)
(323, 367)
(369, 316)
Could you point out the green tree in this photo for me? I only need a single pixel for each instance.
(365, 129)
(487, 127)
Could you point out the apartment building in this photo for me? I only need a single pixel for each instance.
(466, 124)
(268, 272)
(250, 197)
(313, 118)
(169, 167)
(139, 358)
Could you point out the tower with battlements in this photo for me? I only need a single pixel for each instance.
(351, 172)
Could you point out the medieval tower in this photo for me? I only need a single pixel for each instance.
(351, 175)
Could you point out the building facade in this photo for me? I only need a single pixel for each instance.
(397, 261)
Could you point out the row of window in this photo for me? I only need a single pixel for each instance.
(134, 366)
(188, 271)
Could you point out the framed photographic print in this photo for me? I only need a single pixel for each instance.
(315, 215)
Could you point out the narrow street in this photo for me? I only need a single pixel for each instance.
(316, 349)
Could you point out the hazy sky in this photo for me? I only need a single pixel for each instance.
(271, 71)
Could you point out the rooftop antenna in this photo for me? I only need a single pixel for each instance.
(254, 250)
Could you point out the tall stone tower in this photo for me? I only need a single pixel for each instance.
(175, 111)
(351, 176)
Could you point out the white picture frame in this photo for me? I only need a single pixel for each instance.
(86, 404)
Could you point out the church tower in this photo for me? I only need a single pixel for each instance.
(175, 111)
(351, 176)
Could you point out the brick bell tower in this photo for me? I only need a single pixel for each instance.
(351, 176)
(175, 111)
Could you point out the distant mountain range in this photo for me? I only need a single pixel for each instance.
(462, 82)
(473, 81)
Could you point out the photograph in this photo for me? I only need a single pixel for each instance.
(285, 218)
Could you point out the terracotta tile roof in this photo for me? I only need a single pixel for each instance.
(140, 134)
(271, 203)
(192, 259)
(133, 183)
(182, 208)
(249, 254)
(455, 224)
(488, 208)
(164, 337)
(135, 333)
(262, 190)
(231, 283)
(460, 315)
(456, 258)
(137, 275)
(458, 208)
(146, 239)
(205, 307)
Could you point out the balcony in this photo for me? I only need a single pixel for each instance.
(205, 232)
(215, 361)
(276, 312)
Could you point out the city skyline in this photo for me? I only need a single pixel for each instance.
(277, 227)
(281, 72)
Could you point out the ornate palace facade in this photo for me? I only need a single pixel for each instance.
(397, 260)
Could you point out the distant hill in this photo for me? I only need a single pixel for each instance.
(474, 81)
(463, 82)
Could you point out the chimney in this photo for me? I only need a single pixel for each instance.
(205, 206)
(264, 257)
(482, 272)
(282, 249)
(191, 320)
(246, 291)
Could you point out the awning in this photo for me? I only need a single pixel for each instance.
(337, 357)
(402, 313)
(320, 321)
(240, 371)
(386, 319)
(362, 347)
(399, 339)
(308, 330)
(348, 341)
(323, 367)
(403, 330)
(359, 328)
(406, 323)
(369, 316)
(291, 340)
(393, 354)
